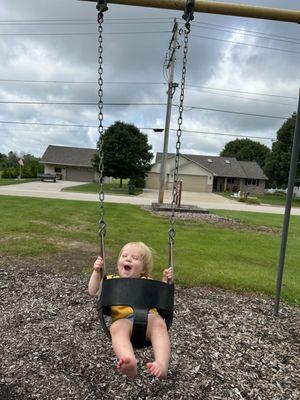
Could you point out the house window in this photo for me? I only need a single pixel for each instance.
(57, 170)
(230, 180)
(252, 182)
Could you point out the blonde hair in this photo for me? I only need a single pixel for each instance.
(146, 253)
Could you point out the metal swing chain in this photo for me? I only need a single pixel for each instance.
(188, 16)
(101, 7)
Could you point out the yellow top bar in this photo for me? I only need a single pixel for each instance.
(217, 7)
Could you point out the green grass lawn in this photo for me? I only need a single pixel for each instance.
(109, 188)
(5, 182)
(272, 199)
(241, 260)
(277, 199)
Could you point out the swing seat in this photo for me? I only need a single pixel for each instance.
(141, 295)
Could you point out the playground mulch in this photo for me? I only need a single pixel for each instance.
(224, 345)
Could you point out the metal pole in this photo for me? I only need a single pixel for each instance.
(216, 7)
(289, 197)
(171, 66)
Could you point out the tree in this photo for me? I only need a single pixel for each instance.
(126, 152)
(12, 159)
(3, 160)
(278, 161)
(31, 166)
(246, 150)
(11, 168)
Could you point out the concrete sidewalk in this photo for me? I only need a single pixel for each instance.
(52, 190)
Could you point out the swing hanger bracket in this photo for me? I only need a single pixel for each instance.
(102, 6)
(189, 10)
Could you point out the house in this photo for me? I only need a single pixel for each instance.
(70, 163)
(209, 173)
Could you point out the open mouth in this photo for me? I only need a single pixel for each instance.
(127, 268)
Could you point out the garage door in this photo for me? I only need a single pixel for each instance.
(194, 183)
(78, 174)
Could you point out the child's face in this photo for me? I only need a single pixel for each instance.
(130, 263)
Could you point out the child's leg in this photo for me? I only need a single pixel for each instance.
(120, 334)
(158, 335)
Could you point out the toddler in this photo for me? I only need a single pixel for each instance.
(135, 261)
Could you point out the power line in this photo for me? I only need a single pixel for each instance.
(242, 97)
(247, 30)
(146, 33)
(241, 91)
(96, 126)
(48, 124)
(246, 33)
(141, 20)
(246, 44)
(151, 20)
(82, 20)
(187, 107)
(83, 33)
(146, 83)
(54, 23)
(74, 103)
(83, 82)
(227, 134)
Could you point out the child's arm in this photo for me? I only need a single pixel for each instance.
(96, 277)
(167, 274)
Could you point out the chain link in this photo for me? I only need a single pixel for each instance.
(102, 224)
(172, 231)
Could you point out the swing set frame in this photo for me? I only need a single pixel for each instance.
(217, 7)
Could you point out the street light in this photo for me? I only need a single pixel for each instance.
(158, 130)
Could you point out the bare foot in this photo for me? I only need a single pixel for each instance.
(157, 369)
(128, 367)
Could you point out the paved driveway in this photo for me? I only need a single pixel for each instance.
(215, 201)
(52, 190)
(204, 200)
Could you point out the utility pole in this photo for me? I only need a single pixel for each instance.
(171, 89)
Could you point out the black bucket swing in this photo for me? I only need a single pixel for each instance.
(139, 294)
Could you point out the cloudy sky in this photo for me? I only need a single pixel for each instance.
(236, 66)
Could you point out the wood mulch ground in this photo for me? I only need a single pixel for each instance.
(224, 345)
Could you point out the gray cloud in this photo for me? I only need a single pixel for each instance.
(214, 62)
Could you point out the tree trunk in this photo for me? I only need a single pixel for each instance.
(121, 182)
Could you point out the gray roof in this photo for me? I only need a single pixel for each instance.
(219, 166)
(63, 155)
(228, 167)
(253, 170)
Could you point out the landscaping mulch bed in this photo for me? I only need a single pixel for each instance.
(224, 345)
(212, 219)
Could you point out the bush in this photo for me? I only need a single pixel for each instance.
(249, 200)
(252, 200)
(10, 173)
(138, 181)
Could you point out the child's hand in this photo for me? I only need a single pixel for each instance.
(167, 275)
(98, 265)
